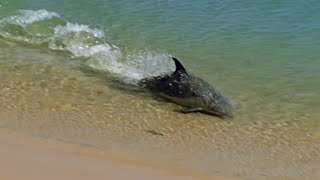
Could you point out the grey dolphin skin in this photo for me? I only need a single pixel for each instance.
(189, 91)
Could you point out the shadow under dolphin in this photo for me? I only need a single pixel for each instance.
(189, 91)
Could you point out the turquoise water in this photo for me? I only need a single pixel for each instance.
(263, 47)
(262, 54)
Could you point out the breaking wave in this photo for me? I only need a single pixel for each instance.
(49, 28)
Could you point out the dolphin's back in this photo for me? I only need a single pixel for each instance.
(178, 84)
(186, 89)
(171, 85)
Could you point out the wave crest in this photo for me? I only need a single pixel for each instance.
(25, 17)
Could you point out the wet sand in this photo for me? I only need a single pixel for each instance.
(28, 158)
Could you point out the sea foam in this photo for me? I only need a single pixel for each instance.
(25, 17)
(38, 27)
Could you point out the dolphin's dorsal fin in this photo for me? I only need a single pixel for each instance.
(179, 66)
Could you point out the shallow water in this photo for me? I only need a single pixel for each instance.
(64, 73)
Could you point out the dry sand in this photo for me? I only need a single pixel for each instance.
(27, 158)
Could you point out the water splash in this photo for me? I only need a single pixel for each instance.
(45, 27)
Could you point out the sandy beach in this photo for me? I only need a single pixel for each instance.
(29, 158)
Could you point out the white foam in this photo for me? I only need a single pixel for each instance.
(103, 56)
(149, 63)
(134, 67)
(26, 17)
(76, 28)
(84, 41)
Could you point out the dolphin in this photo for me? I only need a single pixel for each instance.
(189, 91)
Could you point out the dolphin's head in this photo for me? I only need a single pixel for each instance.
(218, 106)
(222, 110)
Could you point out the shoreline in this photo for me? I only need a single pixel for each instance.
(36, 158)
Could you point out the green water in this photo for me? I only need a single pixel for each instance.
(58, 60)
